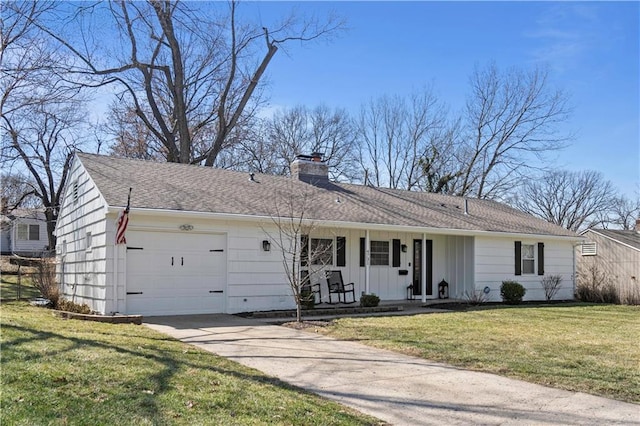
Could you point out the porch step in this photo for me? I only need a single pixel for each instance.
(324, 311)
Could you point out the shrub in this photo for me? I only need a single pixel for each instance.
(475, 297)
(512, 292)
(307, 298)
(596, 287)
(551, 285)
(70, 306)
(369, 300)
(45, 280)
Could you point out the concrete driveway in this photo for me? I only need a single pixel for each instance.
(398, 389)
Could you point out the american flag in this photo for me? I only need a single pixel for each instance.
(123, 221)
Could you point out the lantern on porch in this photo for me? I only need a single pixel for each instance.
(443, 290)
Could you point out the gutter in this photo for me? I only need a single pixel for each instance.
(343, 225)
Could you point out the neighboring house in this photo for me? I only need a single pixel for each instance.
(612, 256)
(203, 240)
(24, 232)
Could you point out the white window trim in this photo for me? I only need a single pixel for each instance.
(534, 258)
(372, 253)
(314, 262)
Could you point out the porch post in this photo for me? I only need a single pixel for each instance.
(424, 268)
(367, 262)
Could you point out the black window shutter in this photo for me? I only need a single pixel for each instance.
(362, 250)
(540, 258)
(396, 254)
(341, 255)
(304, 250)
(518, 258)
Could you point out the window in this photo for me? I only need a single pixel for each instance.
(589, 249)
(89, 241)
(528, 259)
(380, 253)
(321, 251)
(28, 232)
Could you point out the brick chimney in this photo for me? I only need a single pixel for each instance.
(637, 225)
(310, 168)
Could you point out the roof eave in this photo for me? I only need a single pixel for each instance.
(346, 225)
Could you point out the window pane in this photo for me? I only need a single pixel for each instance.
(528, 258)
(23, 231)
(321, 251)
(528, 266)
(527, 251)
(34, 232)
(380, 253)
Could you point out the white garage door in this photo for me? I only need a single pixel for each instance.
(175, 273)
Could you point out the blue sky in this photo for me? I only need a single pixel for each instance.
(591, 49)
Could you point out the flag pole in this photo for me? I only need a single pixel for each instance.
(128, 200)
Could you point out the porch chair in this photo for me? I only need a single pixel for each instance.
(337, 286)
(310, 289)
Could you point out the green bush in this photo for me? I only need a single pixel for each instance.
(307, 298)
(369, 300)
(512, 292)
(69, 306)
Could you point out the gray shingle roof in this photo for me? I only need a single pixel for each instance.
(201, 189)
(630, 238)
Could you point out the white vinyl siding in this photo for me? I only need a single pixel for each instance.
(494, 264)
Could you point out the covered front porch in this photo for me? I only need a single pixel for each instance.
(394, 265)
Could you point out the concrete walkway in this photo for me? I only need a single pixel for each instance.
(398, 389)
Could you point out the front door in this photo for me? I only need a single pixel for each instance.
(417, 267)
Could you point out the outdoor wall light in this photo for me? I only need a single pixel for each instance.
(266, 245)
(186, 227)
(403, 247)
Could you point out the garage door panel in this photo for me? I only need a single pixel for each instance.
(175, 273)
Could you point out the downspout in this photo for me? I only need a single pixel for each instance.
(114, 309)
(424, 268)
(367, 262)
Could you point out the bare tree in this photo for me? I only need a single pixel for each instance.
(17, 191)
(511, 123)
(396, 134)
(624, 212)
(572, 200)
(273, 144)
(294, 224)
(189, 71)
(132, 139)
(40, 115)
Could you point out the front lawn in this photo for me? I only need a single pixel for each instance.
(57, 371)
(13, 289)
(592, 349)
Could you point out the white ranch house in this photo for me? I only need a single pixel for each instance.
(196, 239)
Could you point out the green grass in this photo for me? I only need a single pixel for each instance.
(10, 290)
(57, 371)
(592, 349)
